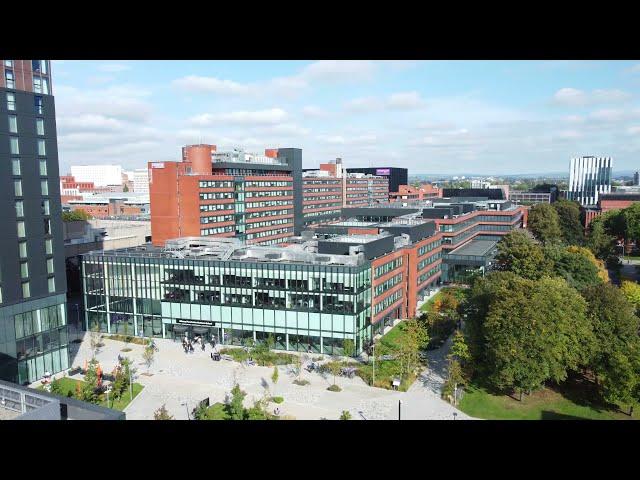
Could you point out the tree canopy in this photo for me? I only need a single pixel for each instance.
(519, 254)
(76, 215)
(544, 223)
(576, 268)
(569, 220)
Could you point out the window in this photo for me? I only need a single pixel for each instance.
(43, 168)
(44, 187)
(43, 66)
(9, 80)
(13, 124)
(40, 126)
(45, 207)
(8, 63)
(21, 232)
(17, 188)
(37, 84)
(52, 285)
(15, 162)
(15, 146)
(26, 291)
(24, 269)
(47, 226)
(45, 86)
(38, 105)
(11, 101)
(42, 151)
(19, 208)
(50, 265)
(22, 249)
(48, 246)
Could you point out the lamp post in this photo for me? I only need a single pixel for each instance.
(373, 349)
(399, 409)
(187, 407)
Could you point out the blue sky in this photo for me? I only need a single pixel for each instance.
(493, 117)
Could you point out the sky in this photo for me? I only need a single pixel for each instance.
(433, 117)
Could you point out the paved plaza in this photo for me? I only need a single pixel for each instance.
(180, 380)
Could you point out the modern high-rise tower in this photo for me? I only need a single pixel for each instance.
(33, 320)
(588, 178)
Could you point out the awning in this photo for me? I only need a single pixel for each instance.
(200, 330)
(179, 328)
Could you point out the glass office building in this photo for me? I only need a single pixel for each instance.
(306, 301)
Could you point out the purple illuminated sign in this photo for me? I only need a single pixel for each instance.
(383, 171)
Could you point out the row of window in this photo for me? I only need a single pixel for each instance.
(14, 146)
(216, 206)
(217, 196)
(268, 233)
(429, 273)
(428, 260)
(428, 247)
(324, 197)
(316, 206)
(217, 230)
(384, 286)
(17, 188)
(13, 125)
(11, 103)
(270, 213)
(277, 193)
(269, 223)
(391, 299)
(216, 219)
(216, 184)
(36, 321)
(262, 183)
(387, 267)
(269, 203)
(322, 182)
(325, 212)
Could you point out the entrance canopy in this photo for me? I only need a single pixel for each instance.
(179, 328)
(200, 330)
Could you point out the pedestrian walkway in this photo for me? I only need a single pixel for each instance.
(180, 381)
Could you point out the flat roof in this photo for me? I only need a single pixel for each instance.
(475, 247)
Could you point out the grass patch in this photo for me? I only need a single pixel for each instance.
(576, 399)
(217, 411)
(68, 387)
(277, 399)
(262, 358)
(457, 292)
(301, 382)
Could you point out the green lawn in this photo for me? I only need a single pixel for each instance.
(262, 358)
(572, 403)
(69, 385)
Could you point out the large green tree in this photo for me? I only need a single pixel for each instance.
(599, 239)
(519, 254)
(576, 268)
(527, 332)
(569, 219)
(544, 223)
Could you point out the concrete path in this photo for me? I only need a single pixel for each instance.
(180, 380)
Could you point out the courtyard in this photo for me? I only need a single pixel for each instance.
(179, 381)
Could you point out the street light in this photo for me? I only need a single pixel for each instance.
(373, 349)
(399, 409)
(187, 407)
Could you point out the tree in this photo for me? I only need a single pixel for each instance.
(348, 348)
(125, 188)
(577, 269)
(519, 254)
(88, 392)
(345, 415)
(95, 340)
(236, 410)
(459, 348)
(454, 376)
(270, 342)
(335, 367)
(621, 382)
(603, 273)
(631, 216)
(162, 414)
(148, 356)
(631, 291)
(599, 240)
(569, 221)
(413, 340)
(75, 216)
(274, 375)
(526, 332)
(544, 223)
(614, 325)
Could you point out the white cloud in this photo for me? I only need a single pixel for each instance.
(89, 122)
(338, 70)
(635, 68)
(195, 83)
(366, 139)
(577, 98)
(635, 130)
(313, 111)
(405, 101)
(113, 67)
(363, 104)
(569, 135)
(257, 117)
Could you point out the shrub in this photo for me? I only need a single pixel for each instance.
(345, 415)
(277, 399)
(334, 388)
(301, 382)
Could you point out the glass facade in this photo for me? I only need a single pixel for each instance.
(309, 307)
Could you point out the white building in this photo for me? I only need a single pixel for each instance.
(100, 175)
(141, 180)
(588, 178)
